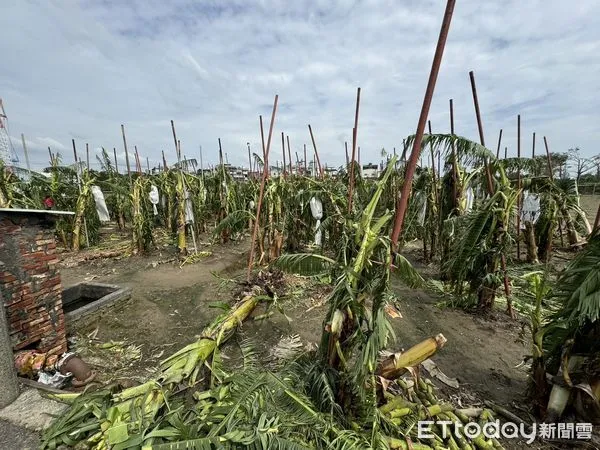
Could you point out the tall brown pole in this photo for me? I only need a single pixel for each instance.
(551, 174)
(519, 186)
(87, 156)
(488, 173)
(138, 165)
(499, 144)
(287, 138)
(347, 157)
(305, 162)
(175, 141)
(283, 150)
(454, 161)
(354, 139)
(262, 136)
(164, 160)
(533, 155)
(549, 159)
(312, 138)
(249, 161)
(262, 189)
(402, 203)
(220, 153)
(126, 152)
(116, 163)
(75, 156)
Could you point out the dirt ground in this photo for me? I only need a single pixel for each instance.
(171, 305)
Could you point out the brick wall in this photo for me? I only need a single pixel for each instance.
(30, 283)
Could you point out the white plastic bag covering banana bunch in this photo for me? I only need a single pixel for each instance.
(189, 212)
(100, 204)
(316, 208)
(154, 198)
(530, 211)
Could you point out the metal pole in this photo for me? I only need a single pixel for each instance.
(289, 154)
(164, 160)
(249, 161)
(201, 164)
(116, 163)
(148, 164)
(262, 187)
(305, 163)
(347, 158)
(488, 172)
(87, 156)
(519, 186)
(25, 151)
(175, 141)
(402, 203)
(126, 152)
(312, 137)
(454, 161)
(499, 143)
(283, 150)
(533, 155)
(354, 139)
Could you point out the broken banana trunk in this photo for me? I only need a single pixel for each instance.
(397, 364)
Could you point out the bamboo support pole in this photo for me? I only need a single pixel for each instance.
(488, 172)
(519, 199)
(116, 162)
(262, 187)
(402, 202)
(283, 150)
(499, 144)
(312, 137)
(126, 153)
(25, 152)
(454, 161)
(354, 143)
(289, 154)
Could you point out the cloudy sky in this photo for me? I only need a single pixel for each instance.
(77, 70)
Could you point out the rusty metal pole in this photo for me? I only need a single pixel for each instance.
(354, 139)
(312, 138)
(402, 202)
(126, 153)
(305, 162)
(116, 163)
(488, 173)
(551, 174)
(177, 152)
(249, 161)
(533, 156)
(519, 187)
(262, 187)
(283, 150)
(499, 143)
(454, 161)
(164, 161)
(287, 138)
(347, 157)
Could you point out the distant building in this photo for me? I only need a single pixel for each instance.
(370, 171)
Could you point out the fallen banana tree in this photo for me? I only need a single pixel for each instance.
(106, 419)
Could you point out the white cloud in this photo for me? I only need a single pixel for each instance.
(79, 71)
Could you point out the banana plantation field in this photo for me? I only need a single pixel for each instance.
(321, 311)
